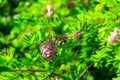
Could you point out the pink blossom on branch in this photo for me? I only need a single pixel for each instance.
(113, 35)
(48, 49)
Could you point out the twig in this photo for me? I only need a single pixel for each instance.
(28, 70)
(84, 71)
(21, 71)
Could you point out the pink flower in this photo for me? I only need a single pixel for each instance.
(116, 30)
(49, 13)
(113, 35)
(111, 39)
(48, 50)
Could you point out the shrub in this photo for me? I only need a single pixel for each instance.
(74, 38)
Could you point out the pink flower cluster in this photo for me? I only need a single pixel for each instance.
(113, 35)
(48, 49)
(49, 13)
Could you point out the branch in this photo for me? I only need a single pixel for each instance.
(21, 71)
(28, 70)
(84, 71)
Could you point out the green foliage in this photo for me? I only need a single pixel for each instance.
(24, 28)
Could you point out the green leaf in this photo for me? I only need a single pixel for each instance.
(3, 60)
(26, 61)
(28, 55)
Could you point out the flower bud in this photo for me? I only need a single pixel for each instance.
(49, 12)
(76, 34)
(70, 5)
